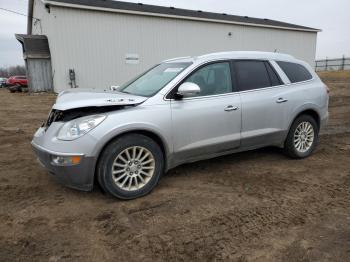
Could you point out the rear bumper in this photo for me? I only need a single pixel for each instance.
(80, 176)
(324, 120)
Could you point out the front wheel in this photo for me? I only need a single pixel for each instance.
(302, 137)
(130, 166)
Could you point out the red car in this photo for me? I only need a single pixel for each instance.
(17, 80)
(17, 83)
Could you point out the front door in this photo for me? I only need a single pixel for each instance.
(209, 122)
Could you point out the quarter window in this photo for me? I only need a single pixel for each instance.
(252, 75)
(295, 72)
(212, 79)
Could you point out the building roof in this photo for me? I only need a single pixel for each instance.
(162, 11)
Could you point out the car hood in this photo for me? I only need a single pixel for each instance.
(79, 97)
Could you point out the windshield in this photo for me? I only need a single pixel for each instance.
(154, 79)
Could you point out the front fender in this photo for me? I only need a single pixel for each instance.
(155, 120)
(141, 127)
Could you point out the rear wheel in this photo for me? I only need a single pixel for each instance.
(130, 166)
(13, 89)
(302, 137)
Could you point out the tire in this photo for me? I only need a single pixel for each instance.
(12, 89)
(23, 89)
(19, 88)
(302, 126)
(115, 157)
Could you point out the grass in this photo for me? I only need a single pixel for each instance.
(335, 75)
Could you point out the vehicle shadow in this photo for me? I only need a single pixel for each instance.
(213, 166)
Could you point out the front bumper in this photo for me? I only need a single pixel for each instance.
(79, 176)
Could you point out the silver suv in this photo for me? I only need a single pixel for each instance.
(181, 110)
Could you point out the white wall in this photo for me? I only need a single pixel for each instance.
(95, 43)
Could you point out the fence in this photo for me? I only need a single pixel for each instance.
(333, 64)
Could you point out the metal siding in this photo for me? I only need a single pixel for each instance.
(39, 72)
(95, 43)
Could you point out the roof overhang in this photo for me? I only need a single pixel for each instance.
(34, 46)
(161, 11)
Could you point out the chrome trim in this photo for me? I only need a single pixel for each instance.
(54, 152)
(301, 82)
(231, 108)
(205, 97)
(261, 89)
(281, 100)
(234, 92)
(272, 87)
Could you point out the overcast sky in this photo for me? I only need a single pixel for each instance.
(332, 16)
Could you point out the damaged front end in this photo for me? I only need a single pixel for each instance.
(57, 115)
(68, 159)
(72, 104)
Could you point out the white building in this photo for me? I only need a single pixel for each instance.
(108, 42)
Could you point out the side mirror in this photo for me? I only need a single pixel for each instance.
(114, 88)
(187, 89)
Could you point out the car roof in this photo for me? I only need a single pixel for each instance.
(234, 55)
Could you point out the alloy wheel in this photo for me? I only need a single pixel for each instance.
(304, 137)
(133, 168)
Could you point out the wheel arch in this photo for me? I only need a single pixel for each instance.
(146, 132)
(311, 111)
(289, 150)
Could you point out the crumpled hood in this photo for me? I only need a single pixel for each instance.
(79, 97)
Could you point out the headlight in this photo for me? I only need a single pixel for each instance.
(79, 127)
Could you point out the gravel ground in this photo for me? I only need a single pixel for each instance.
(252, 206)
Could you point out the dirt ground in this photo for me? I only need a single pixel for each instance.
(252, 206)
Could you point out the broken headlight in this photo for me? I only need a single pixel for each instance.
(79, 127)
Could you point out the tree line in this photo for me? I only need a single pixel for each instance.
(12, 71)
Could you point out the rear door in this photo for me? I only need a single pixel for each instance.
(264, 103)
(209, 122)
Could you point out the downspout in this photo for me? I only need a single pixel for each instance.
(30, 17)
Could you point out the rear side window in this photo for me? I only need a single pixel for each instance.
(295, 72)
(252, 75)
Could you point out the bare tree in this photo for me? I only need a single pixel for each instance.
(12, 70)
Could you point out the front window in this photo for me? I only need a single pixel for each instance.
(153, 80)
(212, 79)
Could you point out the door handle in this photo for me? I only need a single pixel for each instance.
(231, 108)
(281, 100)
